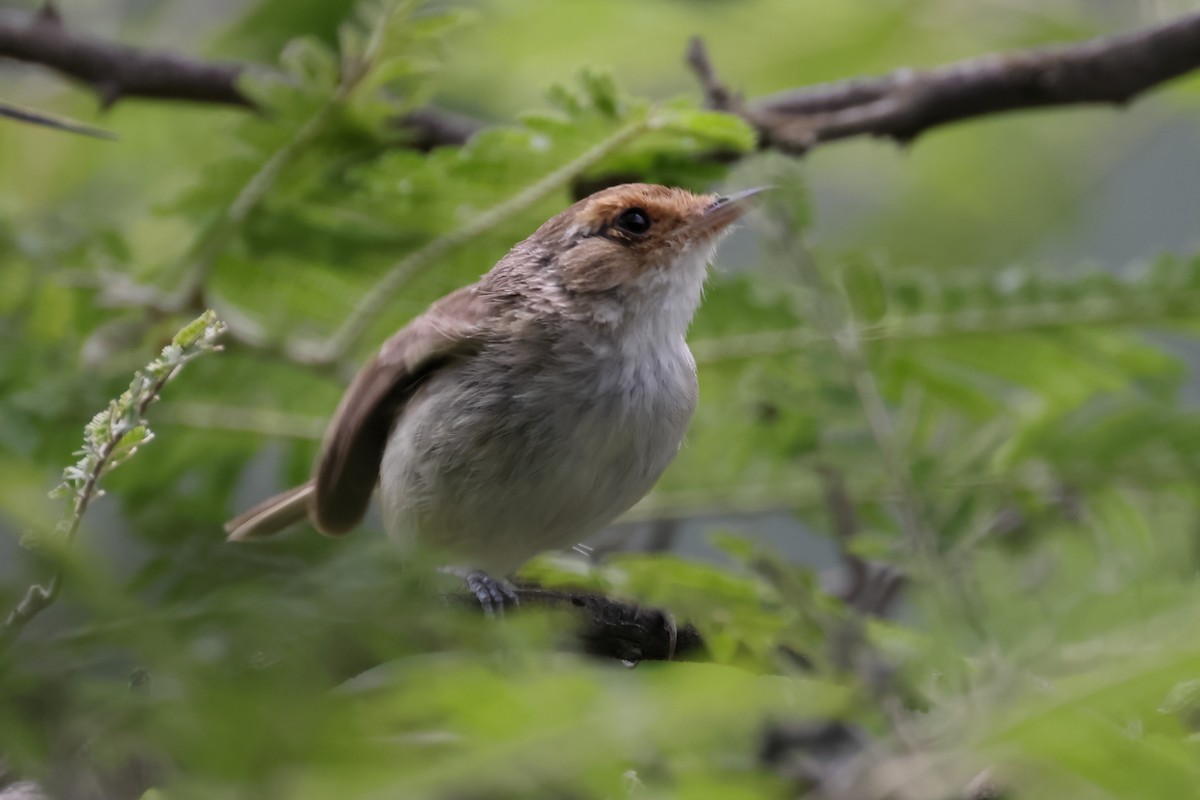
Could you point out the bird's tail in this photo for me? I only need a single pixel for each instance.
(272, 515)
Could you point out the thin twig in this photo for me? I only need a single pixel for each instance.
(38, 598)
(716, 94)
(52, 121)
(332, 351)
(837, 500)
(870, 588)
(922, 540)
(118, 421)
(834, 322)
(190, 293)
(217, 238)
(805, 496)
(1129, 309)
(830, 314)
(259, 421)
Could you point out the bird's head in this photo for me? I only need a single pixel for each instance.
(631, 259)
(638, 235)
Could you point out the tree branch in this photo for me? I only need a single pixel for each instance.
(613, 629)
(906, 103)
(900, 106)
(116, 72)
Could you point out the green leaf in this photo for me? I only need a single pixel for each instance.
(719, 131)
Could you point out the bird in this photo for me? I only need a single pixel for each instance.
(524, 412)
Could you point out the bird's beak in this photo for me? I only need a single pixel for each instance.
(723, 212)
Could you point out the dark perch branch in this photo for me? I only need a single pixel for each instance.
(906, 103)
(614, 629)
(117, 72)
(586, 622)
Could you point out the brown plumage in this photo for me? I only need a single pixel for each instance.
(526, 410)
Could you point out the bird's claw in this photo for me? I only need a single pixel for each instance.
(493, 595)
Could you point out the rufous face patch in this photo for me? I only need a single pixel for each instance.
(616, 234)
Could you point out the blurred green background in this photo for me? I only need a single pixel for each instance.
(1019, 293)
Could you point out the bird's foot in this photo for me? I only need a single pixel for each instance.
(493, 595)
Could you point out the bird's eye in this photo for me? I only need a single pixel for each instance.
(634, 220)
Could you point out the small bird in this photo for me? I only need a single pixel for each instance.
(526, 411)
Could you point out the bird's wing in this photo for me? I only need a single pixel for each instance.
(453, 328)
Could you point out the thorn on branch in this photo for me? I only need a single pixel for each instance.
(49, 14)
(108, 92)
(716, 94)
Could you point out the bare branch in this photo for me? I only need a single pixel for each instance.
(900, 106)
(906, 103)
(715, 92)
(116, 72)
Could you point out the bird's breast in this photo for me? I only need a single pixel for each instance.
(517, 451)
